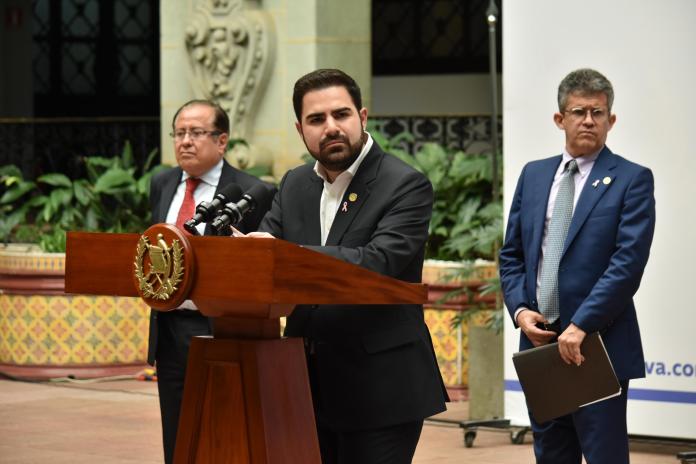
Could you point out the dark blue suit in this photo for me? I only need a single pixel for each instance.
(605, 252)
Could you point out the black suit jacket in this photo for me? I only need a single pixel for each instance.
(376, 365)
(162, 189)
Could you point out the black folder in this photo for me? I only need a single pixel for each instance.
(553, 388)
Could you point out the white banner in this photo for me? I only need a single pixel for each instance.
(647, 51)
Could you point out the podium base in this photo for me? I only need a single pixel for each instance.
(247, 401)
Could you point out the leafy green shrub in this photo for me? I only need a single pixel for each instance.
(112, 198)
(467, 223)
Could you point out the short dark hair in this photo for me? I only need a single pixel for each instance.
(221, 121)
(322, 79)
(584, 81)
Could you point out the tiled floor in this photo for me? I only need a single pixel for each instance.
(118, 422)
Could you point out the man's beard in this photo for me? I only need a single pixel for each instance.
(338, 158)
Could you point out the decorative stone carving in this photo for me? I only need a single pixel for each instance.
(231, 44)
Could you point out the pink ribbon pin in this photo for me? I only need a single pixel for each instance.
(344, 208)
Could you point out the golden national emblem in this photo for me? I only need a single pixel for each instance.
(165, 267)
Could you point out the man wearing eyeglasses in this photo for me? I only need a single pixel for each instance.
(578, 238)
(200, 130)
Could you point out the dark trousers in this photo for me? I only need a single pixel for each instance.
(389, 445)
(175, 330)
(597, 431)
(394, 444)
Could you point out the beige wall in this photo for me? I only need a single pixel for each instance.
(175, 84)
(433, 94)
(309, 34)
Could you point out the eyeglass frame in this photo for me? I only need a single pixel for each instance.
(572, 112)
(194, 134)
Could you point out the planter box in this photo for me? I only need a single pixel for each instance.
(452, 344)
(45, 333)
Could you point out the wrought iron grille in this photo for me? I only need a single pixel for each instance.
(40, 146)
(471, 134)
(430, 37)
(95, 58)
(58, 145)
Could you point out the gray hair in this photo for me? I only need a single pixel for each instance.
(585, 82)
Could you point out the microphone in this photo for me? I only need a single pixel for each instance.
(207, 210)
(232, 213)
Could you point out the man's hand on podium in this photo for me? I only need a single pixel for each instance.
(259, 235)
(237, 233)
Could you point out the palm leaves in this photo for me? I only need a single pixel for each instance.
(112, 198)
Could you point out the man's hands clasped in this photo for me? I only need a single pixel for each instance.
(569, 341)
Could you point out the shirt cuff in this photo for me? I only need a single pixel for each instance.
(519, 310)
(188, 304)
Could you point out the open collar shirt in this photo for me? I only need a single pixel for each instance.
(333, 192)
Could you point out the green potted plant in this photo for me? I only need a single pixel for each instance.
(45, 332)
(112, 198)
(465, 232)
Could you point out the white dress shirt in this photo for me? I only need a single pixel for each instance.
(585, 164)
(204, 192)
(333, 192)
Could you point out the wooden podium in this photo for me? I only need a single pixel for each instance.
(246, 396)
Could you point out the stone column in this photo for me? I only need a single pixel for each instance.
(175, 83)
(306, 35)
(312, 34)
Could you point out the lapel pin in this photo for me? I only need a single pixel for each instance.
(353, 196)
(595, 183)
(606, 180)
(344, 208)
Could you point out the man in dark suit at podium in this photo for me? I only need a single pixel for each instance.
(577, 241)
(200, 130)
(372, 370)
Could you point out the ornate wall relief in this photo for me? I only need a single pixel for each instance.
(230, 45)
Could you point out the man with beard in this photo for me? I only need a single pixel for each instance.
(372, 369)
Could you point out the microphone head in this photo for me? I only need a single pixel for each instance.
(230, 192)
(233, 212)
(260, 194)
(190, 227)
(206, 210)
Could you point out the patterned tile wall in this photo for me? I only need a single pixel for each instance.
(451, 344)
(72, 330)
(20, 263)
